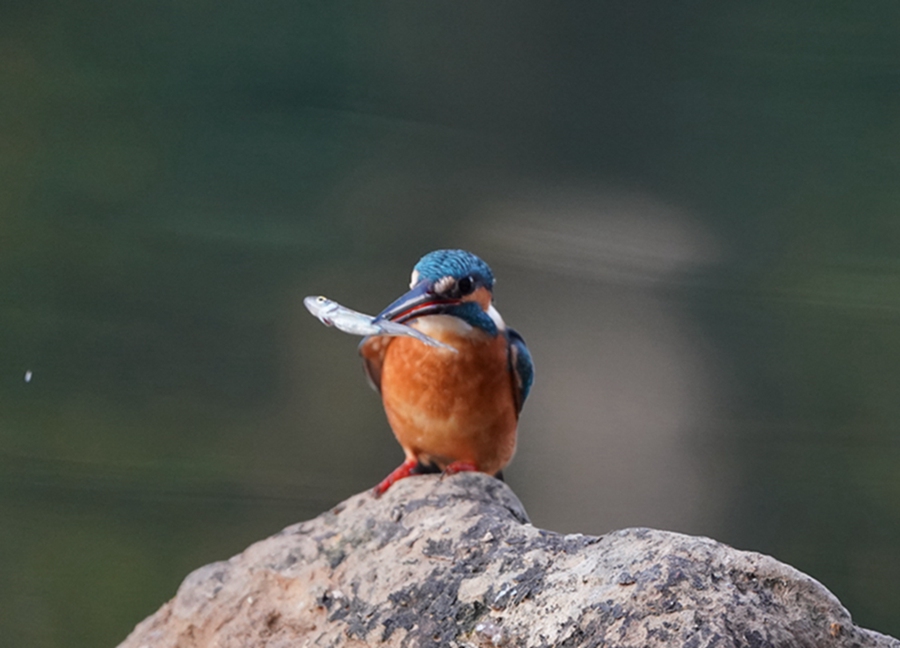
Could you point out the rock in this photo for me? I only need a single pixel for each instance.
(454, 562)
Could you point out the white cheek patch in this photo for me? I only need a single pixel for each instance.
(414, 279)
(495, 316)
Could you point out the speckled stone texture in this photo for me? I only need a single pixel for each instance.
(454, 562)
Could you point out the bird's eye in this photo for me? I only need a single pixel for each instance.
(465, 285)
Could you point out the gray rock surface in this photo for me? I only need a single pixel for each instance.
(454, 562)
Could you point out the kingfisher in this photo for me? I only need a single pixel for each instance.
(451, 411)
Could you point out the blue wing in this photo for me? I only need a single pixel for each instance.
(372, 350)
(521, 366)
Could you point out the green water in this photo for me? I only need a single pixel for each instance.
(175, 178)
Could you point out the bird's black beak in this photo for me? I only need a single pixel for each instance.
(420, 300)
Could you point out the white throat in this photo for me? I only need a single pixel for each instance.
(438, 326)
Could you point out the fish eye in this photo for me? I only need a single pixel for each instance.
(465, 285)
(320, 299)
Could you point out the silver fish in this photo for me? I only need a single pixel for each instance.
(330, 313)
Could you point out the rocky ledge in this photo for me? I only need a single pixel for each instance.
(454, 562)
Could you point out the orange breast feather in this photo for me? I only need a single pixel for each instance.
(445, 407)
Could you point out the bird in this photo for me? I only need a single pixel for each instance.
(451, 410)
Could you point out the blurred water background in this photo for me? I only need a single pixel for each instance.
(691, 208)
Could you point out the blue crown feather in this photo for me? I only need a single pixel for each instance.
(454, 263)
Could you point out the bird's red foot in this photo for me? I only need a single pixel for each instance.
(460, 466)
(402, 471)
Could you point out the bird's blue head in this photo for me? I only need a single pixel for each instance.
(458, 265)
(447, 282)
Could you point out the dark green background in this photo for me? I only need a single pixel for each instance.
(176, 176)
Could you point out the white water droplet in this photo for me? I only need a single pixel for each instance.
(28, 375)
